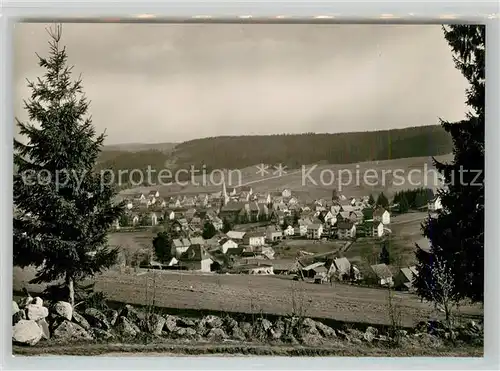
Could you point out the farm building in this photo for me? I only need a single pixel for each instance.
(236, 235)
(284, 266)
(259, 268)
(382, 215)
(314, 231)
(196, 258)
(383, 273)
(312, 270)
(404, 279)
(226, 243)
(373, 228)
(346, 230)
(254, 239)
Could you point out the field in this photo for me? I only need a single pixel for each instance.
(322, 182)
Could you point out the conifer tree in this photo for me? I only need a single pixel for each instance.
(64, 210)
(371, 200)
(457, 233)
(208, 230)
(382, 200)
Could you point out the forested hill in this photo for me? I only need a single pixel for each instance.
(293, 150)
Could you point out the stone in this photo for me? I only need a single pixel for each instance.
(217, 334)
(311, 339)
(155, 323)
(237, 333)
(171, 323)
(246, 328)
(70, 331)
(370, 334)
(230, 323)
(211, 321)
(79, 319)
(125, 327)
(185, 322)
(343, 335)
(37, 301)
(102, 334)
(325, 330)
(24, 301)
(18, 316)
(111, 315)
(15, 307)
(26, 332)
(96, 319)
(185, 332)
(290, 339)
(36, 312)
(133, 314)
(45, 328)
(63, 309)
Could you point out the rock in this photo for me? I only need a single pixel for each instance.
(430, 341)
(290, 339)
(211, 321)
(237, 333)
(133, 314)
(155, 324)
(343, 335)
(311, 339)
(230, 323)
(102, 334)
(185, 322)
(325, 330)
(246, 329)
(15, 307)
(79, 319)
(26, 332)
(170, 323)
(37, 301)
(45, 328)
(20, 315)
(23, 302)
(217, 334)
(185, 332)
(355, 334)
(370, 334)
(36, 312)
(70, 331)
(63, 309)
(307, 328)
(125, 327)
(111, 315)
(96, 319)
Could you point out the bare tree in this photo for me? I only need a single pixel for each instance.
(442, 289)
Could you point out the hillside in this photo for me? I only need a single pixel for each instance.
(290, 150)
(137, 147)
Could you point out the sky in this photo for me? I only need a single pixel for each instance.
(152, 83)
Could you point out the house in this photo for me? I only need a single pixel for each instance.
(347, 208)
(278, 217)
(154, 219)
(217, 222)
(180, 246)
(382, 215)
(356, 216)
(231, 210)
(383, 273)
(196, 258)
(434, 204)
(286, 193)
(346, 230)
(246, 189)
(373, 228)
(404, 279)
(236, 235)
(254, 239)
(226, 244)
(273, 234)
(128, 204)
(314, 231)
(139, 198)
(293, 201)
(344, 216)
(339, 268)
(263, 199)
(154, 194)
(134, 218)
(169, 215)
(290, 231)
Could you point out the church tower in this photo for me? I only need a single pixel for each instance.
(224, 197)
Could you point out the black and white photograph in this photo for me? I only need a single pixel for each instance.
(248, 189)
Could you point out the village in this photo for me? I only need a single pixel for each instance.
(239, 231)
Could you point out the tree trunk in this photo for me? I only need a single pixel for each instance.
(71, 290)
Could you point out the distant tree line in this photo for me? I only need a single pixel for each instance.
(413, 198)
(290, 150)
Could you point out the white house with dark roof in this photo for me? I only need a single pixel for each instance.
(346, 230)
(314, 231)
(382, 215)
